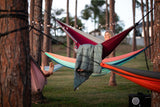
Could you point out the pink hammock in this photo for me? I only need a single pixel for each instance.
(38, 79)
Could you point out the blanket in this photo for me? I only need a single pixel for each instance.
(88, 61)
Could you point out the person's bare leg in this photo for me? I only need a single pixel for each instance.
(50, 71)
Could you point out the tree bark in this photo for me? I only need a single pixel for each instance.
(46, 40)
(37, 36)
(112, 80)
(31, 23)
(37, 97)
(75, 25)
(152, 37)
(15, 85)
(68, 39)
(134, 30)
(147, 31)
(156, 53)
(107, 22)
(143, 23)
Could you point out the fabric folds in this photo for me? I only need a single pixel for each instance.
(147, 79)
(88, 61)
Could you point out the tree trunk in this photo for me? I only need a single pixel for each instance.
(152, 37)
(107, 22)
(31, 23)
(46, 40)
(75, 25)
(37, 36)
(143, 23)
(37, 97)
(147, 32)
(134, 30)
(68, 39)
(15, 82)
(112, 80)
(156, 53)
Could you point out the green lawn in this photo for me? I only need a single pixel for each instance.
(95, 92)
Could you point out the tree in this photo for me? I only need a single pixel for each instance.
(15, 85)
(156, 50)
(37, 36)
(75, 25)
(152, 37)
(93, 11)
(147, 31)
(143, 23)
(46, 41)
(87, 13)
(107, 21)
(134, 30)
(112, 80)
(31, 16)
(68, 39)
(37, 42)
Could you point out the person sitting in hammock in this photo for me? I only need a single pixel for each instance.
(50, 71)
(108, 34)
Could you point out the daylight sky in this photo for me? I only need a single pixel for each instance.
(122, 7)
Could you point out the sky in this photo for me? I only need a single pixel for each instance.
(122, 7)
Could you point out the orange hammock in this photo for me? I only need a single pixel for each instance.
(147, 79)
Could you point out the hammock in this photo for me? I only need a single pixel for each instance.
(118, 60)
(81, 38)
(56, 67)
(147, 79)
(38, 79)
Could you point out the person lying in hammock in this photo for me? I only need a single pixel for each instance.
(50, 71)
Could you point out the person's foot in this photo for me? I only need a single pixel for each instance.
(51, 67)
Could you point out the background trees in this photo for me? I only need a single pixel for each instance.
(96, 12)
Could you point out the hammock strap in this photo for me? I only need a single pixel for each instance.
(145, 15)
(6, 33)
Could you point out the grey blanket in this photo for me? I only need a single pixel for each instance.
(88, 59)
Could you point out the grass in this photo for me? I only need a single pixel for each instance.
(95, 92)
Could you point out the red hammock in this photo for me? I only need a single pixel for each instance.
(81, 38)
(147, 79)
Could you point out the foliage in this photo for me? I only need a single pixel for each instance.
(72, 20)
(93, 11)
(96, 12)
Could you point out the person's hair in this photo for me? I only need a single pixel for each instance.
(110, 32)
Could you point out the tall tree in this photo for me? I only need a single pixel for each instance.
(152, 37)
(15, 85)
(93, 11)
(134, 30)
(37, 42)
(147, 31)
(107, 21)
(156, 55)
(31, 16)
(112, 80)
(46, 40)
(37, 36)
(68, 39)
(143, 23)
(100, 13)
(75, 25)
